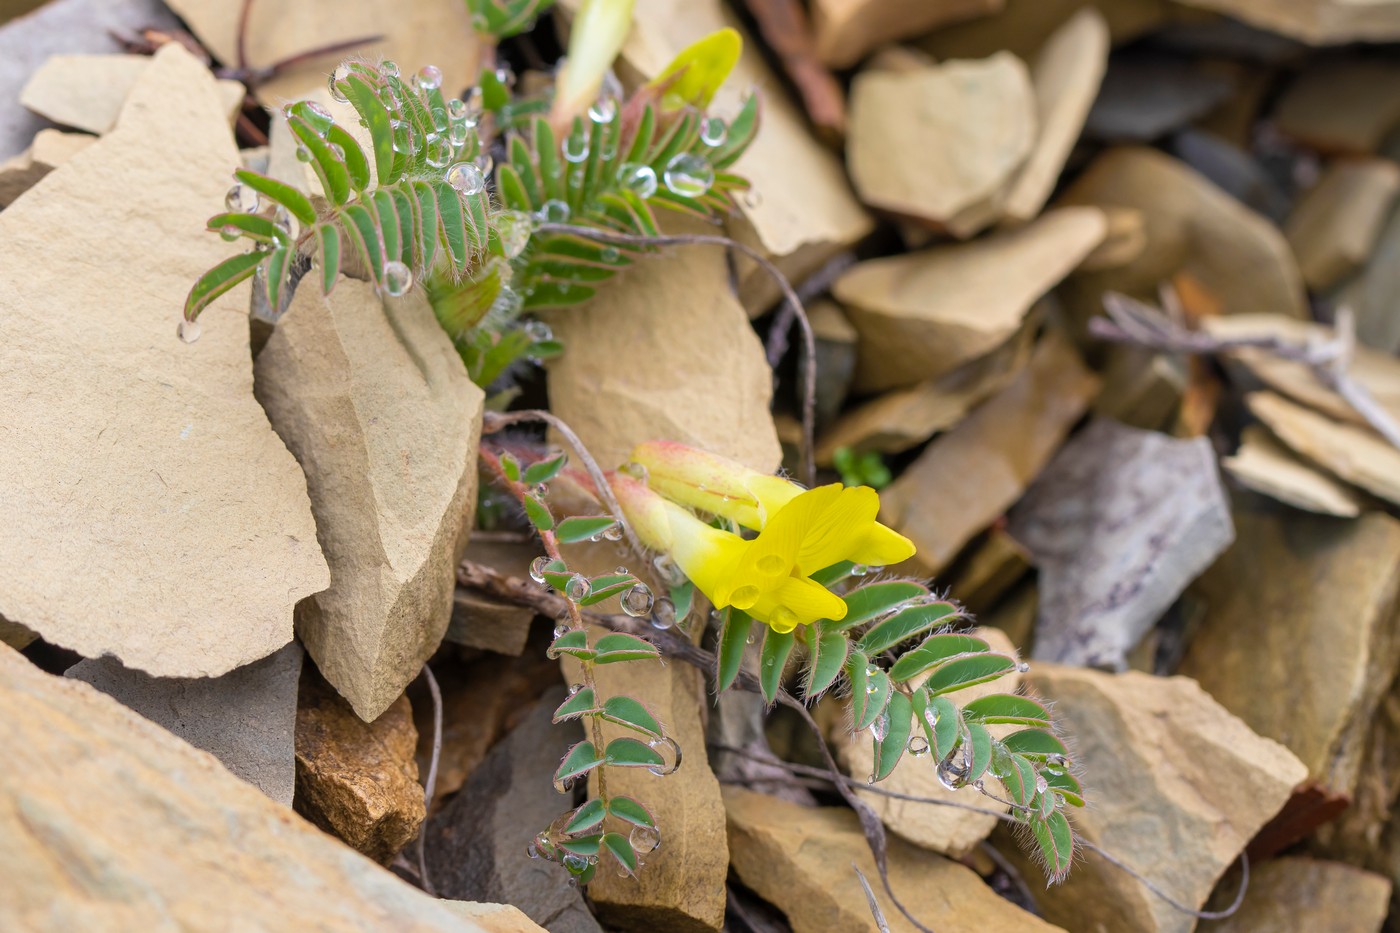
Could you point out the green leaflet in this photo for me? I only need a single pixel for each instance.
(935, 650)
(1035, 743)
(630, 753)
(328, 239)
(906, 624)
(626, 711)
(580, 702)
(1007, 708)
(733, 638)
(575, 528)
(619, 646)
(298, 204)
(828, 655)
(968, 672)
(620, 848)
(581, 759)
(898, 717)
(777, 647)
(219, 281)
(629, 810)
(538, 513)
(875, 599)
(1056, 841)
(586, 817)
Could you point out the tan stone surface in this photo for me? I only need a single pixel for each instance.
(131, 460)
(1193, 227)
(1125, 240)
(1334, 226)
(1065, 75)
(845, 30)
(1022, 26)
(87, 92)
(1296, 894)
(495, 918)
(1345, 105)
(356, 780)
(376, 404)
(1320, 22)
(1266, 466)
(415, 33)
(15, 635)
(801, 860)
(1141, 388)
(945, 829)
(923, 314)
(107, 821)
(1356, 454)
(992, 567)
(639, 350)
(803, 211)
(1299, 639)
(941, 144)
(964, 480)
(50, 149)
(904, 418)
(1177, 787)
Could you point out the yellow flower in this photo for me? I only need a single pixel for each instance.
(769, 577)
(698, 70)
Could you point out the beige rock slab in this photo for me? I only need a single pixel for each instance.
(376, 404)
(904, 418)
(665, 353)
(941, 144)
(495, 918)
(1343, 105)
(923, 314)
(1192, 227)
(1177, 787)
(803, 211)
(107, 821)
(50, 149)
(1023, 25)
(1125, 240)
(845, 30)
(1065, 75)
(944, 829)
(964, 480)
(1266, 466)
(1319, 22)
(131, 460)
(86, 92)
(1356, 454)
(415, 33)
(1378, 373)
(1141, 388)
(803, 860)
(1334, 226)
(1296, 894)
(1299, 638)
(992, 567)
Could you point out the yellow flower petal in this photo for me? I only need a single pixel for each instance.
(798, 601)
(699, 69)
(882, 547)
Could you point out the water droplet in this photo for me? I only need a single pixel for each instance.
(668, 571)
(689, 175)
(429, 77)
(918, 746)
(389, 69)
(540, 490)
(389, 96)
(662, 746)
(229, 233)
(531, 851)
(613, 533)
(604, 109)
(287, 223)
(466, 178)
(713, 132)
(553, 211)
(458, 132)
(303, 154)
(439, 151)
(663, 614)
(189, 331)
(457, 109)
(1055, 763)
(538, 332)
(952, 772)
(871, 671)
(404, 136)
(575, 863)
(398, 278)
(637, 178)
(537, 568)
(513, 229)
(859, 570)
(752, 639)
(241, 199)
(881, 726)
(332, 83)
(610, 254)
(485, 163)
(577, 587)
(506, 75)
(1041, 785)
(1023, 667)
(931, 716)
(645, 840)
(637, 601)
(576, 146)
(440, 120)
(751, 198)
(561, 630)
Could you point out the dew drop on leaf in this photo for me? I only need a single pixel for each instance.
(537, 568)
(918, 746)
(189, 331)
(663, 614)
(637, 601)
(241, 199)
(645, 840)
(513, 228)
(577, 587)
(637, 178)
(466, 178)
(398, 278)
(689, 175)
(713, 132)
(389, 69)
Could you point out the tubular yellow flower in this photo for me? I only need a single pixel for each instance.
(770, 576)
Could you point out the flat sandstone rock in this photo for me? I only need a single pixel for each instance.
(153, 514)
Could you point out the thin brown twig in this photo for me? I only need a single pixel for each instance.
(809, 340)
(1131, 321)
(430, 786)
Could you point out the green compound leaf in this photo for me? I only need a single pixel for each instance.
(538, 513)
(542, 471)
(574, 643)
(626, 711)
(252, 226)
(607, 586)
(630, 811)
(906, 624)
(1056, 841)
(586, 817)
(298, 204)
(620, 848)
(328, 239)
(875, 599)
(935, 650)
(365, 99)
(620, 646)
(631, 753)
(1035, 743)
(733, 639)
(889, 749)
(576, 705)
(777, 648)
(581, 759)
(219, 281)
(1007, 708)
(828, 655)
(575, 529)
(968, 672)
(329, 169)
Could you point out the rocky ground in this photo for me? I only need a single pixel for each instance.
(1109, 288)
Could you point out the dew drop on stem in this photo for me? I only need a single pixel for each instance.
(577, 587)
(637, 601)
(538, 567)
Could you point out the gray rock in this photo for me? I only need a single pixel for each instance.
(1235, 171)
(1119, 523)
(476, 844)
(246, 718)
(63, 26)
(1147, 95)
